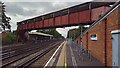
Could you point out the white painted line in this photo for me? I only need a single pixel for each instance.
(61, 60)
(73, 58)
(52, 56)
(65, 56)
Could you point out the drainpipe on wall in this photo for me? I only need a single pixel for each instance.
(87, 43)
(105, 46)
(90, 11)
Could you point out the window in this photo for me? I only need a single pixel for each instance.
(93, 37)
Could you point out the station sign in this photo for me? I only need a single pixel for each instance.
(93, 37)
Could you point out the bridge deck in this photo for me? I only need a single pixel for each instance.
(84, 14)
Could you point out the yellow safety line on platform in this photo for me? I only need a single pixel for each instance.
(65, 57)
(62, 57)
(49, 61)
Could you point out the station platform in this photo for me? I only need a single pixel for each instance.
(77, 57)
(73, 56)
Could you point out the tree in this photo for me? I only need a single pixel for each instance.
(74, 33)
(5, 20)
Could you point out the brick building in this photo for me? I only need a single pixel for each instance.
(101, 48)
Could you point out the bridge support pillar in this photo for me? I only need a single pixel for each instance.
(22, 36)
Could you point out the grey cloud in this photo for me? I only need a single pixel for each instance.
(25, 10)
(43, 0)
(34, 8)
(13, 24)
(13, 8)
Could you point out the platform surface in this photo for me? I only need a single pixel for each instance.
(72, 55)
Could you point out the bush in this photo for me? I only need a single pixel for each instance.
(8, 38)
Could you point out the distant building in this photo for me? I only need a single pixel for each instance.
(39, 36)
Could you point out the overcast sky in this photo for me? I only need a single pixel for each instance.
(20, 10)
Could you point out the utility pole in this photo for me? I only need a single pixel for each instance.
(74, 35)
(81, 29)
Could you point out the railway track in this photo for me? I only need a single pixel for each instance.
(28, 59)
(6, 54)
(35, 57)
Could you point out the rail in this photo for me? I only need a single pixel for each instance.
(26, 55)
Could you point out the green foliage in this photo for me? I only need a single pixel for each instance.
(5, 19)
(74, 33)
(8, 38)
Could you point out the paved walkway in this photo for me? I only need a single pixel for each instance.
(71, 55)
(76, 57)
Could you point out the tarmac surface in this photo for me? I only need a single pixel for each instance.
(70, 55)
(78, 57)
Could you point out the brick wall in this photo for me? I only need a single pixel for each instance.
(84, 40)
(103, 32)
(113, 23)
(78, 40)
(97, 47)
